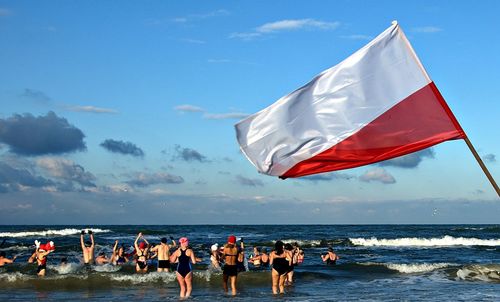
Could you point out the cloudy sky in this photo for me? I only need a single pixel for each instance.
(123, 112)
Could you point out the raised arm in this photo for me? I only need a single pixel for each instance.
(91, 238)
(137, 240)
(173, 241)
(82, 244)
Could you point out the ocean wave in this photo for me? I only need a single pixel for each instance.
(425, 242)
(480, 272)
(412, 268)
(145, 278)
(45, 233)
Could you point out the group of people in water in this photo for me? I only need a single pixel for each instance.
(228, 258)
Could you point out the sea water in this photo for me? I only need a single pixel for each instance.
(377, 263)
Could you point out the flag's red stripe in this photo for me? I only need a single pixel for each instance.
(420, 121)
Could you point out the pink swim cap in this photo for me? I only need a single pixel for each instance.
(184, 241)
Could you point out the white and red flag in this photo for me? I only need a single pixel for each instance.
(377, 104)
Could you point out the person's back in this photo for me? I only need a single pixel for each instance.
(87, 248)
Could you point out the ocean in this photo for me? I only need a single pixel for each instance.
(377, 263)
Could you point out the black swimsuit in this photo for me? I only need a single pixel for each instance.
(281, 265)
(142, 263)
(184, 265)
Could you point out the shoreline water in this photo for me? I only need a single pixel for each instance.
(378, 262)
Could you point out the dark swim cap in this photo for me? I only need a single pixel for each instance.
(164, 240)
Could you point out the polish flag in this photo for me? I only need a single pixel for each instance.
(377, 104)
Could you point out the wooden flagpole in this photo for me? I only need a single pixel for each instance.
(480, 161)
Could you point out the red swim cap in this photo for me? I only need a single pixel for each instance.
(231, 239)
(142, 245)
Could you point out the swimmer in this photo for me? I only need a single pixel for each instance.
(256, 257)
(231, 256)
(280, 259)
(118, 257)
(215, 256)
(87, 248)
(40, 255)
(330, 258)
(185, 257)
(101, 259)
(4, 260)
(162, 250)
(264, 258)
(142, 254)
(293, 254)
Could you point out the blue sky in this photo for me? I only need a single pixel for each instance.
(123, 112)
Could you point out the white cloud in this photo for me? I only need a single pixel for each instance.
(286, 25)
(91, 109)
(377, 174)
(188, 108)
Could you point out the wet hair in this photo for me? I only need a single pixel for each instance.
(263, 250)
(330, 249)
(288, 247)
(2, 254)
(257, 249)
(101, 254)
(278, 247)
(164, 240)
(88, 243)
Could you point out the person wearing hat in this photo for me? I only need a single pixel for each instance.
(163, 252)
(231, 256)
(40, 255)
(215, 256)
(142, 254)
(185, 257)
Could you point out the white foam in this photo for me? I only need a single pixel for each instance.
(412, 268)
(145, 278)
(303, 242)
(65, 269)
(62, 232)
(106, 268)
(426, 242)
(481, 272)
(13, 277)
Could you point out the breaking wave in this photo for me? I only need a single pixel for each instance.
(45, 233)
(412, 268)
(480, 272)
(424, 242)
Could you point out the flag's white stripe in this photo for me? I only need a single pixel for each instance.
(334, 105)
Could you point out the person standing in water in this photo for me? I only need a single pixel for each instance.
(264, 258)
(118, 257)
(142, 252)
(255, 258)
(215, 256)
(330, 258)
(185, 257)
(40, 255)
(163, 252)
(231, 256)
(281, 260)
(87, 248)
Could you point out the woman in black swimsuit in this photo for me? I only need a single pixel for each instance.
(231, 256)
(142, 254)
(185, 257)
(281, 260)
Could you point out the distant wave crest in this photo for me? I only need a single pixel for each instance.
(412, 268)
(425, 242)
(45, 233)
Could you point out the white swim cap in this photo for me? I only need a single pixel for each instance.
(215, 247)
